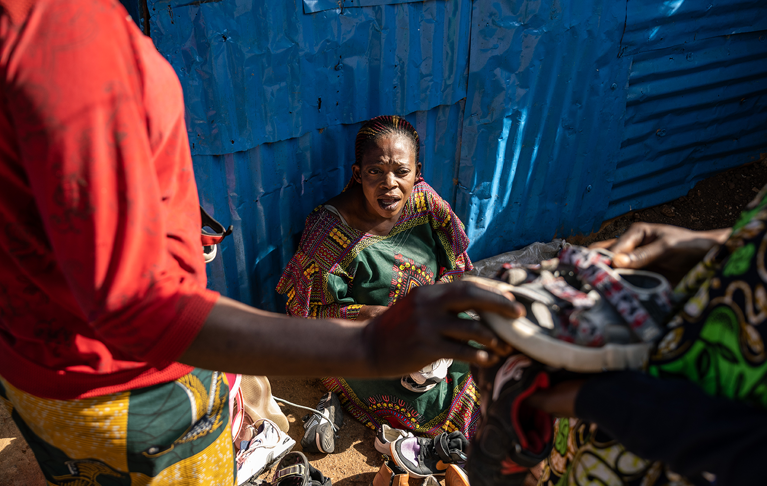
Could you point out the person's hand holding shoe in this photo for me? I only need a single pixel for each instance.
(669, 250)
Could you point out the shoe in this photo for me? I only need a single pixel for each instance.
(386, 435)
(260, 452)
(422, 457)
(294, 470)
(390, 475)
(511, 438)
(456, 476)
(428, 377)
(583, 315)
(320, 434)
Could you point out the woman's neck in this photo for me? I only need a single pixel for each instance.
(354, 208)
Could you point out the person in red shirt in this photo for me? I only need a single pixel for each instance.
(106, 327)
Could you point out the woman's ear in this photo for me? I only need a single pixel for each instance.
(356, 173)
(417, 170)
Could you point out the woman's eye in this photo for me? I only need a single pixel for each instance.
(403, 171)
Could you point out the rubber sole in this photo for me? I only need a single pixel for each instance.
(398, 461)
(529, 339)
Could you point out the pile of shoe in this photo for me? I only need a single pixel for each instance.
(420, 457)
(582, 316)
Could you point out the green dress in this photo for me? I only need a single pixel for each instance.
(338, 269)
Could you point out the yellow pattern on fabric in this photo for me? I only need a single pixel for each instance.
(85, 429)
(213, 466)
(85, 473)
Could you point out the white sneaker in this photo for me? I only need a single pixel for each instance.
(265, 449)
(386, 435)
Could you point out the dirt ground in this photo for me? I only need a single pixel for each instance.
(712, 203)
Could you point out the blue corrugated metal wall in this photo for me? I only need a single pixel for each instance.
(536, 118)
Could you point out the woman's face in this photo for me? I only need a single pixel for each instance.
(387, 173)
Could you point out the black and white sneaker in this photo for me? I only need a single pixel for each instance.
(320, 435)
(512, 437)
(422, 457)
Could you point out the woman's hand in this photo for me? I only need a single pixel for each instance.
(424, 327)
(668, 250)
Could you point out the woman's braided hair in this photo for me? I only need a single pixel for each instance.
(380, 126)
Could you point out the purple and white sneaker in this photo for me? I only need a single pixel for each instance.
(422, 457)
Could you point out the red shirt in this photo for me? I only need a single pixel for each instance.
(102, 279)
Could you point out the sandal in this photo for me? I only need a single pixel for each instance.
(294, 470)
(583, 315)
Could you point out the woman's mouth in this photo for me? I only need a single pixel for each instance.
(388, 203)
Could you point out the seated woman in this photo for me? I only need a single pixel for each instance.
(385, 234)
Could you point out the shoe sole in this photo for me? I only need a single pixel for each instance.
(528, 338)
(398, 461)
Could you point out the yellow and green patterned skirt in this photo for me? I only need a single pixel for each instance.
(177, 433)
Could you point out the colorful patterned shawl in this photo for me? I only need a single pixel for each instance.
(328, 247)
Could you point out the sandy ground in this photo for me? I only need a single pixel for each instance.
(713, 203)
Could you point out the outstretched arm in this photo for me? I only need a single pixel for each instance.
(417, 330)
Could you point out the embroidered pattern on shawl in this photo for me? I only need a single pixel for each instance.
(328, 247)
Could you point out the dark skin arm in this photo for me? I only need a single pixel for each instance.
(416, 331)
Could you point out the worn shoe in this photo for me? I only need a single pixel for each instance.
(260, 452)
(427, 377)
(583, 315)
(294, 470)
(386, 435)
(512, 437)
(390, 475)
(320, 435)
(422, 457)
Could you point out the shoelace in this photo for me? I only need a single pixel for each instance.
(312, 410)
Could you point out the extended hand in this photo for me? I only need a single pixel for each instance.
(668, 250)
(424, 327)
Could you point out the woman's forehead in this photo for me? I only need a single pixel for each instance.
(383, 148)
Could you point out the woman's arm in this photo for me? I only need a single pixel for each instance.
(417, 330)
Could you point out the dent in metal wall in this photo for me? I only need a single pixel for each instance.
(267, 192)
(692, 111)
(255, 71)
(541, 134)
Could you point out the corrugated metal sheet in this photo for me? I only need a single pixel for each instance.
(657, 25)
(267, 192)
(311, 6)
(574, 111)
(692, 111)
(255, 71)
(541, 135)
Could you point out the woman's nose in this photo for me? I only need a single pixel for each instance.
(389, 180)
